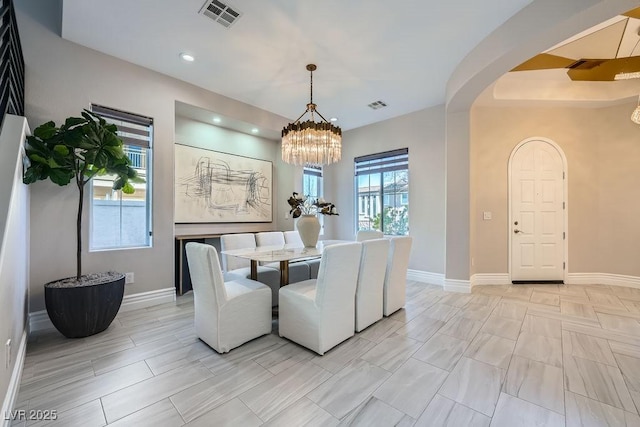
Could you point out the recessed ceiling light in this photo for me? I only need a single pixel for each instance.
(216, 120)
(333, 119)
(254, 130)
(187, 57)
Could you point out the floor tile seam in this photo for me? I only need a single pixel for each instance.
(596, 400)
(152, 403)
(265, 420)
(623, 379)
(529, 358)
(636, 405)
(563, 414)
(35, 378)
(129, 363)
(624, 411)
(591, 360)
(371, 395)
(104, 414)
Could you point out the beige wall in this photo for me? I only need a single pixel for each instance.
(602, 149)
(423, 133)
(533, 29)
(61, 79)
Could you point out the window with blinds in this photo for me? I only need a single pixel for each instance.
(121, 220)
(312, 187)
(382, 192)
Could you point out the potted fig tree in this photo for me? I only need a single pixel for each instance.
(76, 151)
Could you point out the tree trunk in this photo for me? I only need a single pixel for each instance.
(79, 232)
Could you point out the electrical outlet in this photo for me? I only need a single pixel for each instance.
(128, 278)
(8, 353)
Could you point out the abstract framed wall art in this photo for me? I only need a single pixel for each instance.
(211, 186)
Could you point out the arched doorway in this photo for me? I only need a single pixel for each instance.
(537, 212)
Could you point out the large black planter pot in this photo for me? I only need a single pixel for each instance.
(81, 310)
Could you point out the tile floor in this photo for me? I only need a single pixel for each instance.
(526, 355)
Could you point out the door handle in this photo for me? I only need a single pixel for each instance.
(517, 231)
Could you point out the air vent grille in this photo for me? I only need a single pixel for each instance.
(220, 12)
(377, 105)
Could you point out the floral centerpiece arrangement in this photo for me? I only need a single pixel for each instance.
(302, 205)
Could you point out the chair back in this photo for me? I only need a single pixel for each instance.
(338, 277)
(293, 238)
(270, 238)
(373, 266)
(396, 275)
(236, 241)
(368, 235)
(206, 276)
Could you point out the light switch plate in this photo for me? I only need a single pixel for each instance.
(486, 215)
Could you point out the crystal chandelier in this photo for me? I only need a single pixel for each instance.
(635, 116)
(311, 142)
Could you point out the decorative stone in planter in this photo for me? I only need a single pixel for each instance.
(80, 309)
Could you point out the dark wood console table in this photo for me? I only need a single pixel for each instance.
(182, 277)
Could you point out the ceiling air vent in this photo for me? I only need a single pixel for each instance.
(377, 105)
(220, 12)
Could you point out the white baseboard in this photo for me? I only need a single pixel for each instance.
(426, 277)
(14, 383)
(603, 279)
(490, 279)
(454, 285)
(148, 299)
(39, 320)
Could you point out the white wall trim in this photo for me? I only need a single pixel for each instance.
(39, 320)
(454, 285)
(603, 279)
(148, 299)
(490, 279)
(426, 277)
(14, 384)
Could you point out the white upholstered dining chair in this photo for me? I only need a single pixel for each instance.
(298, 271)
(293, 238)
(320, 313)
(227, 314)
(236, 266)
(395, 279)
(363, 235)
(369, 292)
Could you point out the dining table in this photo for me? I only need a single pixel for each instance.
(283, 254)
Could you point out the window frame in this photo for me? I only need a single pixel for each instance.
(378, 164)
(315, 171)
(145, 144)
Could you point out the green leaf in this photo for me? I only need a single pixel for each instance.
(128, 188)
(73, 121)
(118, 183)
(33, 174)
(46, 130)
(61, 149)
(60, 176)
(38, 158)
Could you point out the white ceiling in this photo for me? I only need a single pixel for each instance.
(400, 52)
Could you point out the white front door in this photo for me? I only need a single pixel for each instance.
(537, 212)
